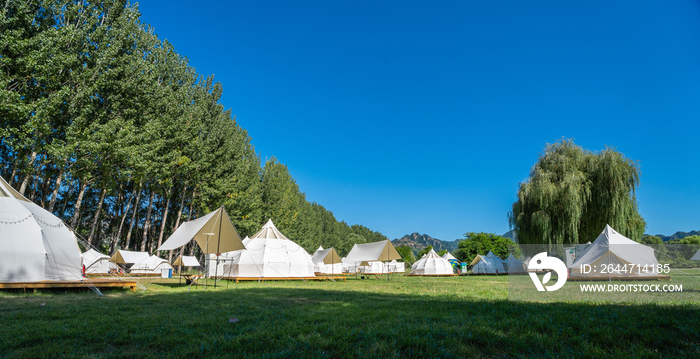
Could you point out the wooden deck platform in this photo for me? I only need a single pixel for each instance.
(263, 279)
(97, 282)
(631, 279)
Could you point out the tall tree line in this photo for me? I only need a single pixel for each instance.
(108, 127)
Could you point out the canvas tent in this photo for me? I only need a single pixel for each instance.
(432, 264)
(327, 261)
(269, 253)
(214, 233)
(97, 263)
(128, 257)
(186, 261)
(612, 248)
(514, 265)
(150, 265)
(35, 245)
(488, 264)
(396, 267)
(382, 251)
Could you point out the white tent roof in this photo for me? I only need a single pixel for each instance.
(488, 264)
(431, 263)
(128, 257)
(213, 232)
(91, 256)
(612, 247)
(269, 231)
(186, 261)
(35, 245)
(449, 256)
(375, 251)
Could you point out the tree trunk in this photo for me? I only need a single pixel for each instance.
(189, 215)
(179, 215)
(52, 202)
(147, 224)
(78, 202)
(12, 176)
(97, 217)
(133, 216)
(45, 189)
(26, 178)
(165, 218)
(115, 241)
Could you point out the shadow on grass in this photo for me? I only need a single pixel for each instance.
(295, 321)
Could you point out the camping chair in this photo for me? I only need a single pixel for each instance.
(191, 280)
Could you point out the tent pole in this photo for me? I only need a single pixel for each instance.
(218, 245)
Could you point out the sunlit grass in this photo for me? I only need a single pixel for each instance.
(402, 317)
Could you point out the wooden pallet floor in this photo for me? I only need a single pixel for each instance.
(97, 282)
(263, 279)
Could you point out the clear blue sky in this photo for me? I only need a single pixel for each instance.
(425, 116)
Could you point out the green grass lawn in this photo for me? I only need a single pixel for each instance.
(456, 317)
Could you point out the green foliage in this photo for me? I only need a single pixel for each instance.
(91, 100)
(442, 252)
(424, 251)
(481, 243)
(573, 193)
(651, 240)
(406, 253)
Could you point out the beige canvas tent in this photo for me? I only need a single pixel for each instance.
(186, 261)
(122, 256)
(35, 245)
(327, 261)
(97, 263)
(214, 233)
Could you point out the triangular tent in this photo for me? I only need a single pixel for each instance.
(488, 264)
(612, 250)
(326, 256)
(213, 232)
(35, 245)
(128, 257)
(432, 264)
(377, 251)
(186, 261)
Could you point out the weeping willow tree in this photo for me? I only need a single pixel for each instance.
(573, 193)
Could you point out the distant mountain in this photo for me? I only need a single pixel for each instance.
(417, 242)
(678, 235)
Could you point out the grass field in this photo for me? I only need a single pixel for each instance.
(454, 317)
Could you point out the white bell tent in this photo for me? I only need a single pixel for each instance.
(514, 265)
(35, 245)
(431, 264)
(488, 264)
(269, 253)
(327, 261)
(97, 263)
(152, 265)
(612, 251)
